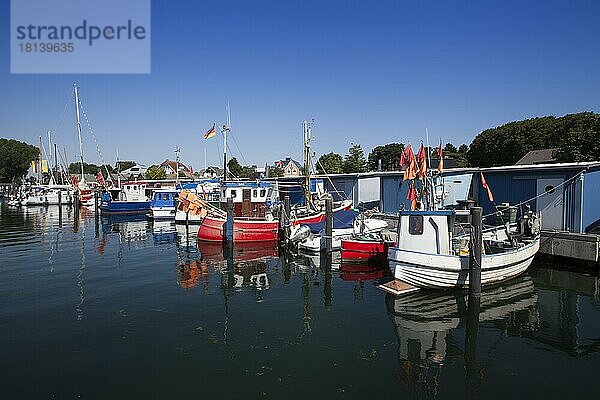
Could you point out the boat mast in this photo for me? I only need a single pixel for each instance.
(40, 164)
(177, 150)
(307, 139)
(225, 129)
(78, 128)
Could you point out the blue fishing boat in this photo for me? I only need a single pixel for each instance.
(130, 199)
(163, 204)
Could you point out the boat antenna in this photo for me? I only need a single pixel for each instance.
(307, 131)
(225, 128)
(177, 151)
(75, 89)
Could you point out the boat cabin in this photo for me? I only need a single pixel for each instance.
(164, 198)
(128, 192)
(249, 198)
(426, 231)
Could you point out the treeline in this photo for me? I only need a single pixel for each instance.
(15, 159)
(575, 136)
(388, 155)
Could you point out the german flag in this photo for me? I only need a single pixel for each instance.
(210, 133)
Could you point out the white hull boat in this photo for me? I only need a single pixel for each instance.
(426, 255)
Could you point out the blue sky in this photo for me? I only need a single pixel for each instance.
(368, 72)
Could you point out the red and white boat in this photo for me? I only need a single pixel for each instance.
(254, 230)
(363, 249)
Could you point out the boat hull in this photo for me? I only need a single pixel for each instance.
(364, 250)
(248, 230)
(438, 271)
(211, 230)
(180, 217)
(125, 207)
(162, 213)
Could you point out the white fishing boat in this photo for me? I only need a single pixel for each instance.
(432, 249)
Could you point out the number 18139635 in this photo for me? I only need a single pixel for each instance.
(46, 47)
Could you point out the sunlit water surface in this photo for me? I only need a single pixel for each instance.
(124, 309)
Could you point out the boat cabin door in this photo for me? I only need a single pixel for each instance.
(246, 202)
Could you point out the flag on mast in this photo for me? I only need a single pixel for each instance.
(487, 187)
(440, 167)
(211, 132)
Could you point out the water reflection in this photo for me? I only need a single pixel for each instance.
(426, 322)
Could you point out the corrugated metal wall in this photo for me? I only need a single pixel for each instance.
(591, 202)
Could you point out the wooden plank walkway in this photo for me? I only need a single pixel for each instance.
(397, 287)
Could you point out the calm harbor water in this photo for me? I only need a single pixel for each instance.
(132, 309)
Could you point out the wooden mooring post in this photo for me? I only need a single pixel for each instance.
(475, 252)
(328, 224)
(60, 207)
(228, 226)
(284, 220)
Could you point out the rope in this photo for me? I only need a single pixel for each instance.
(94, 137)
(330, 182)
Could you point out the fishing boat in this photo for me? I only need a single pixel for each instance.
(162, 205)
(209, 190)
(432, 249)
(366, 248)
(346, 224)
(130, 199)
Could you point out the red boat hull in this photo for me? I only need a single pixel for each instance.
(211, 230)
(247, 230)
(363, 250)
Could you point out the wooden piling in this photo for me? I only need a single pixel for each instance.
(475, 252)
(228, 228)
(328, 223)
(60, 207)
(284, 220)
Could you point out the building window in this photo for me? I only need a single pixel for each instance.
(263, 193)
(255, 193)
(415, 224)
(233, 193)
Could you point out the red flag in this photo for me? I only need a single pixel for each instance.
(440, 167)
(486, 187)
(421, 154)
(100, 178)
(412, 195)
(422, 162)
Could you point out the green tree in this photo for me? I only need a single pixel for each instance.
(574, 135)
(355, 160)
(330, 163)
(75, 168)
(234, 167)
(389, 155)
(123, 165)
(155, 172)
(275, 171)
(15, 159)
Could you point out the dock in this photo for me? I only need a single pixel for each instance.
(576, 246)
(397, 287)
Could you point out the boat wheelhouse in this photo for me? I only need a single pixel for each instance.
(129, 199)
(163, 203)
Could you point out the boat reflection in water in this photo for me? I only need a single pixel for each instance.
(244, 266)
(361, 271)
(425, 322)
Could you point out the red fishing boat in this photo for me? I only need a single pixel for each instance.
(253, 230)
(361, 249)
